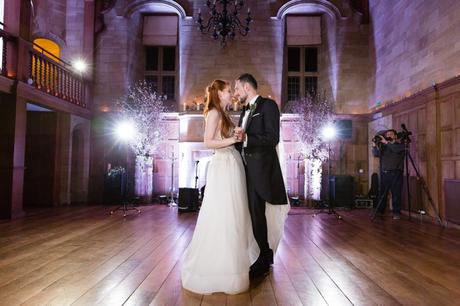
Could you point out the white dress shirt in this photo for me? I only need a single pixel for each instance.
(246, 117)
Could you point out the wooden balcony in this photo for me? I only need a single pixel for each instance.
(42, 77)
(55, 77)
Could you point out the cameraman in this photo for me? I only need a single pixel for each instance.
(391, 153)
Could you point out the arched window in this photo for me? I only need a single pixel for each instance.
(160, 41)
(303, 40)
(161, 20)
(309, 59)
(48, 48)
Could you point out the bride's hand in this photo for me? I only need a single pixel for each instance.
(237, 137)
(239, 134)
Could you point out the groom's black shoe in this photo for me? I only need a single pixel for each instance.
(265, 259)
(259, 271)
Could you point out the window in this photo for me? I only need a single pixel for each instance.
(161, 70)
(48, 48)
(302, 72)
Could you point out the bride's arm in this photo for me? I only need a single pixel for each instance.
(212, 123)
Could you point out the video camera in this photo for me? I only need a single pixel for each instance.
(377, 139)
(402, 137)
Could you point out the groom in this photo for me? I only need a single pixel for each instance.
(257, 135)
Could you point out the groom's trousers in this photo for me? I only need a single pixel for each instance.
(259, 221)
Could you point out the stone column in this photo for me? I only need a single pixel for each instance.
(13, 117)
(61, 192)
(79, 157)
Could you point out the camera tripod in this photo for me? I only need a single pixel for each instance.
(406, 158)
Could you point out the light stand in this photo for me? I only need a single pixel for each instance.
(329, 133)
(124, 186)
(298, 172)
(330, 202)
(196, 173)
(172, 203)
(295, 201)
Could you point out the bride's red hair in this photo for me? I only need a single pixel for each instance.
(213, 102)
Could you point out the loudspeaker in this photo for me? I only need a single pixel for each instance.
(115, 186)
(341, 190)
(188, 199)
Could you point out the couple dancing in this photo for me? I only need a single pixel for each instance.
(241, 220)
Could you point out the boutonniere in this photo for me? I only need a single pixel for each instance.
(252, 107)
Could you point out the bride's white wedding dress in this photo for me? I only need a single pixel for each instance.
(223, 246)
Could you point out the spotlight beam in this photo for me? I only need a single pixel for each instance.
(329, 132)
(80, 65)
(125, 130)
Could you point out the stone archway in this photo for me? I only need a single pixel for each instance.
(161, 6)
(310, 6)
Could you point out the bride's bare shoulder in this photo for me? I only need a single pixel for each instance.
(213, 114)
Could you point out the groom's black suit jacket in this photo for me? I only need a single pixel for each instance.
(263, 169)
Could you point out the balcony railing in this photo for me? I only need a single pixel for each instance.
(4, 38)
(28, 62)
(56, 77)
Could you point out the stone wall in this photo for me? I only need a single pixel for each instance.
(62, 21)
(111, 61)
(345, 64)
(50, 20)
(416, 45)
(344, 59)
(74, 31)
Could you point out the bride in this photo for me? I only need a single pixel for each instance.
(223, 246)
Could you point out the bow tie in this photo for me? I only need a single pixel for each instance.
(247, 107)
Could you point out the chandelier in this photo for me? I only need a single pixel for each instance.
(224, 23)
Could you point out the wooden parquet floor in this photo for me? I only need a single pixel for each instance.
(83, 256)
